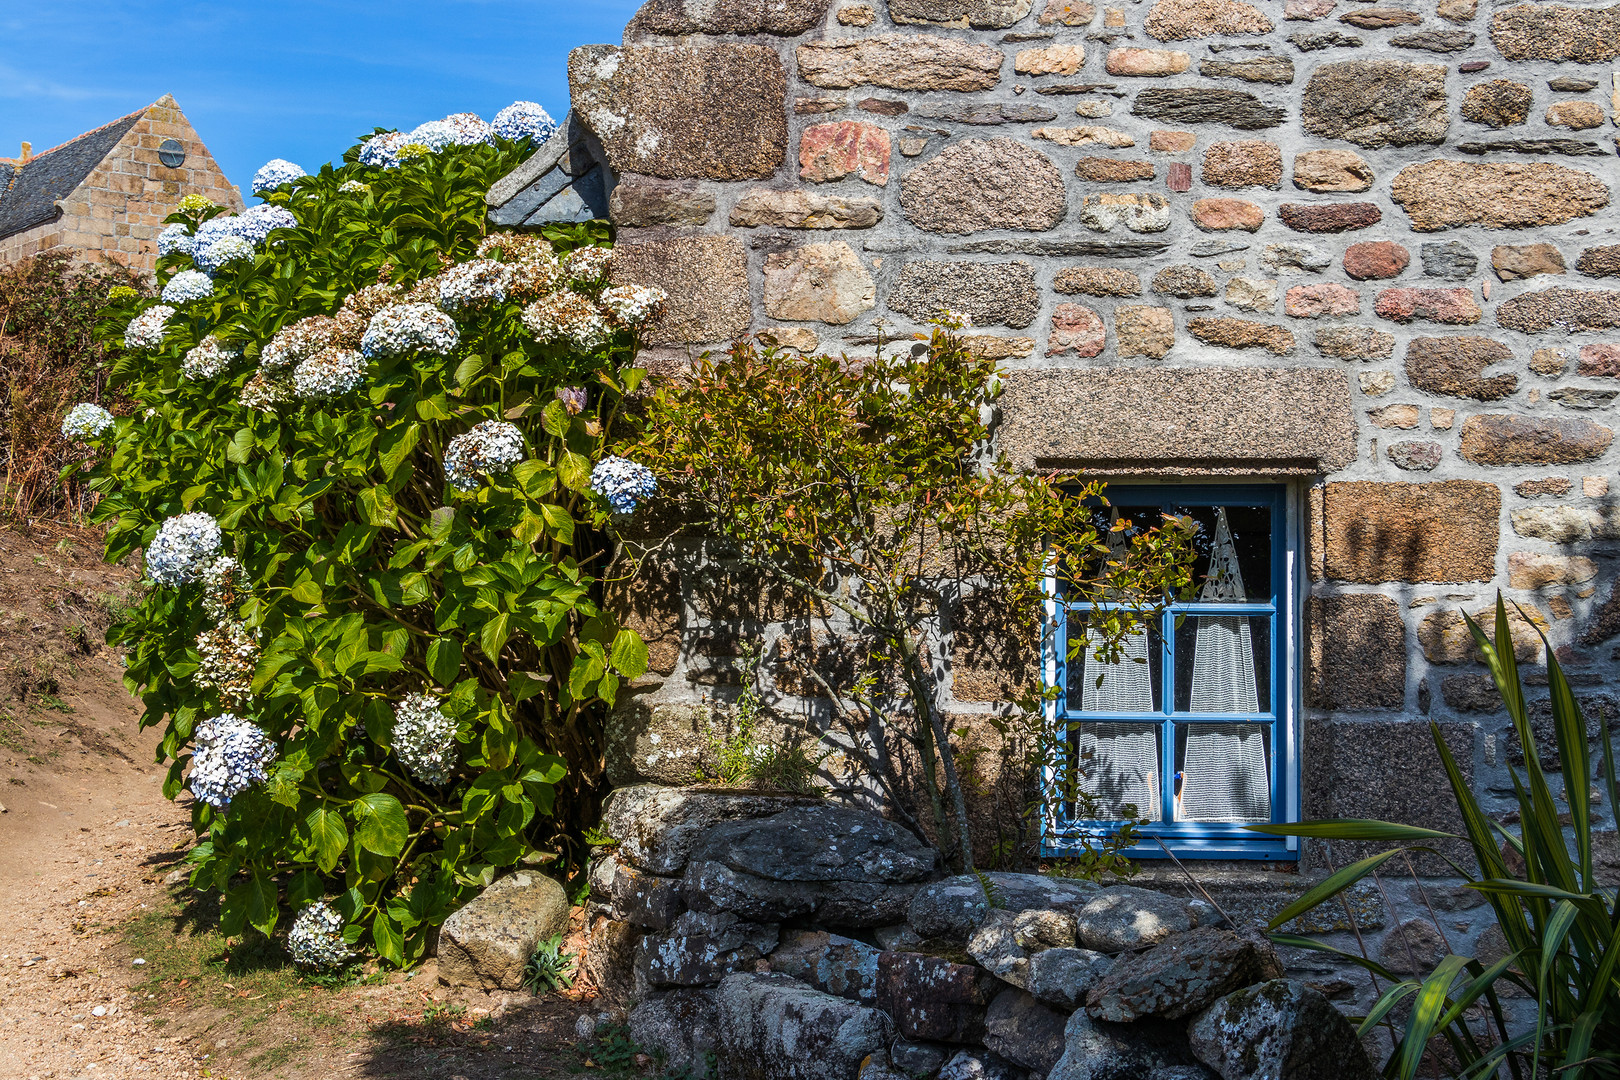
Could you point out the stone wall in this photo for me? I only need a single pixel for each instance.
(1368, 249)
(117, 211)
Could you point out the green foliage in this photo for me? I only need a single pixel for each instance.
(365, 577)
(1561, 923)
(1101, 858)
(866, 490)
(550, 967)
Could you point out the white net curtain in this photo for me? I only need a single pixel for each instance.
(1224, 773)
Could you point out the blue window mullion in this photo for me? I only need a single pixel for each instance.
(1167, 727)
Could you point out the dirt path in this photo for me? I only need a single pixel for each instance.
(107, 971)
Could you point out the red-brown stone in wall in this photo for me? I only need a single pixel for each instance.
(1314, 301)
(1507, 439)
(1456, 366)
(1100, 170)
(1561, 308)
(1357, 650)
(1076, 329)
(1599, 361)
(1329, 217)
(1436, 532)
(830, 152)
(1455, 306)
(1218, 215)
(1243, 334)
(1375, 259)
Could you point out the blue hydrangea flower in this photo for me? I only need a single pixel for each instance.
(410, 327)
(381, 151)
(145, 331)
(186, 286)
(624, 483)
(182, 549)
(316, 938)
(232, 755)
(493, 446)
(435, 135)
(424, 738)
(227, 249)
(257, 222)
(175, 238)
(469, 129)
(86, 421)
(524, 118)
(274, 173)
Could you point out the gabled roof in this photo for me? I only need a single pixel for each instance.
(29, 190)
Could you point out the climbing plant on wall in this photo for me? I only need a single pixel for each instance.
(366, 466)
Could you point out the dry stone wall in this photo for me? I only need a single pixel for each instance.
(1370, 248)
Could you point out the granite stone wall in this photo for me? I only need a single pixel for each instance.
(1367, 248)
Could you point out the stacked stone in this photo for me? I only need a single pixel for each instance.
(797, 940)
(1370, 248)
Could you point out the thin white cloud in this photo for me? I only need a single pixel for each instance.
(22, 85)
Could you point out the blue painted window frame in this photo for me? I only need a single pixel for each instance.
(1201, 840)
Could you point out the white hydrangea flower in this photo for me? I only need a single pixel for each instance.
(569, 317)
(145, 331)
(329, 373)
(634, 305)
(424, 738)
(381, 151)
(472, 283)
(227, 249)
(227, 655)
(587, 266)
(524, 118)
(294, 344)
(209, 359)
(194, 203)
(469, 129)
(184, 544)
(435, 135)
(232, 755)
(405, 328)
(265, 393)
(257, 222)
(517, 248)
(221, 594)
(354, 187)
(275, 172)
(493, 446)
(186, 286)
(316, 940)
(624, 483)
(175, 238)
(86, 421)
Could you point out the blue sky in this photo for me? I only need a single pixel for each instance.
(296, 79)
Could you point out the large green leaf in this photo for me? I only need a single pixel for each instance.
(381, 827)
(1332, 886)
(328, 837)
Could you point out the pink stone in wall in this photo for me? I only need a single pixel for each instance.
(1600, 361)
(1215, 215)
(1180, 176)
(1307, 10)
(1077, 329)
(1314, 301)
(833, 151)
(1433, 305)
(1375, 259)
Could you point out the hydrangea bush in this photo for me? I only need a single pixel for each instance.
(360, 464)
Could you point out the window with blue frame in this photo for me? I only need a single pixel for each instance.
(1194, 724)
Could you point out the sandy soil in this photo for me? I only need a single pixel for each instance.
(110, 967)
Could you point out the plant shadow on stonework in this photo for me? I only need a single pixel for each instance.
(864, 490)
(744, 758)
(1560, 922)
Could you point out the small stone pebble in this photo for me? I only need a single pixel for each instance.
(99, 1010)
(139, 961)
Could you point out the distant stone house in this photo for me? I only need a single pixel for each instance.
(1306, 295)
(106, 192)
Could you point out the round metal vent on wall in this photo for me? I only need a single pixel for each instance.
(171, 153)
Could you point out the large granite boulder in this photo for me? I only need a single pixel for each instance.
(1006, 941)
(701, 949)
(1145, 1050)
(487, 943)
(1182, 975)
(953, 909)
(657, 826)
(1278, 1030)
(682, 1025)
(1124, 918)
(930, 997)
(773, 1027)
(1063, 977)
(842, 866)
(829, 962)
(1024, 1031)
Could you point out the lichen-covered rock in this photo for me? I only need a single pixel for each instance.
(979, 14)
(981, 184)
(1098, 1050)
(1139, 213)
(639, 103)
(1496, 195)
(1182, 975)
(656, 827)
(993, 293)
(487, 942)
(1279, 1030)
(900, 62)
(773, 1027)
(1004, 943)
(1179, 20)
(1376, 103)
(1063, 977)
(951, 910)
(681, 1025)
(1566, 309)
(1024, 1031)
(643, 899)
(1449, 259)
(932, 998)
(829, 962)
(1124, 917)
(701, 949)
(610, 955)
(1587, 35)
(1456, 366)
(678, 18)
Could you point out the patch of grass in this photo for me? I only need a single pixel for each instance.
(51, 701)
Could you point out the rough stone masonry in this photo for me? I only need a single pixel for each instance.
(1369, 249)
